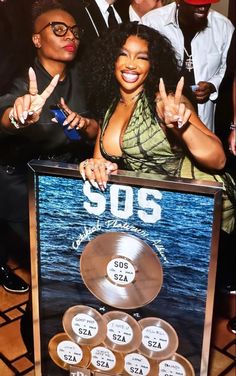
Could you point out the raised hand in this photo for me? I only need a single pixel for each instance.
(175, 112)
(27, 109)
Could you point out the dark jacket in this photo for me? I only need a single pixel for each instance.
(88, 15)
(44, 138)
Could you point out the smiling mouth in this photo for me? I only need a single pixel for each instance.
(130, 77)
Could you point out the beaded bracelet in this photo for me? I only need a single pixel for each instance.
(232, 127)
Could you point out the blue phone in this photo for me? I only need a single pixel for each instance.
(61, 115)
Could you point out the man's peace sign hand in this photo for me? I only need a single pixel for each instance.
(27, 109)
(175, 112)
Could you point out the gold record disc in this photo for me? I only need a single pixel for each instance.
(176, 365)
(121, 270)
(84, 325)
(65, 353)
(159, 338)
(137, 364)
(105, 360)
(123, 332)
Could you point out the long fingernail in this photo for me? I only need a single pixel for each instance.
(94, 183)
(82, 173)
(22, 120)
(30, 113)
(179, 123)
(25, 115)
(101, 186)
(65, 122)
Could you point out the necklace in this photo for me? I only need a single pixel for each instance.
(132, 99)
(188, 61)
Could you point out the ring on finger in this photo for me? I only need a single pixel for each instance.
(34, 92)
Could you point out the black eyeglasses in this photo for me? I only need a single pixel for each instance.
(60, 29)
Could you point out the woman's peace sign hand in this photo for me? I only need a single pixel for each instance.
(27, 109)
(175, 112)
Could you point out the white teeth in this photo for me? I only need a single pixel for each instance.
(130, 77)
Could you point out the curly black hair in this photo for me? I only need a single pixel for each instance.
(99, 65)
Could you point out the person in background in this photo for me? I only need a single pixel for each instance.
(201, 37)
(96, 16)
(147, 124)
(138, 8)
(225, 115)
(28, 132)
(16, 53)
(232, 135)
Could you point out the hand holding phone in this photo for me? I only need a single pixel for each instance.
(61, 115)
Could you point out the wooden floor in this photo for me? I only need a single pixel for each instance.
(14, 359)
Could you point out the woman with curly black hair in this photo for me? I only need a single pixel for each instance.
(146, 123)
(102, 84)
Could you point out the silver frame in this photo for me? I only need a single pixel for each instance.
(39, 167)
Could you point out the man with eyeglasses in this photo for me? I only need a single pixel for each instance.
(27, 130)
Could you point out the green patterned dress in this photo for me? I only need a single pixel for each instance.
(145, 148)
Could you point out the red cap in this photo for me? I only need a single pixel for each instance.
(200, 2)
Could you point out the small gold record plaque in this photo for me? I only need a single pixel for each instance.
(123, 332)
(84, 325)
(106, 361)
(138, 364)
(121, 270)
(159, 338)
(176, 365)
(66, 353)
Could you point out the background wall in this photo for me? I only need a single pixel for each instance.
(222, 7)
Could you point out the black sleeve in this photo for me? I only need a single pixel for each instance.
(19, 87)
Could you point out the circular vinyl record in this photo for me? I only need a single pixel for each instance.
(106, 361)
(84, 325)
(176, 365)
(123, 332)
(159, 339)
(137, 364)
(121, 270)
(66, 353)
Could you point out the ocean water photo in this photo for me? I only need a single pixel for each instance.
(177, 226)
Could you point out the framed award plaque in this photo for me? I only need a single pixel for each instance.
(123, 279)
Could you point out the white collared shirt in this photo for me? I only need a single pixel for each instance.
(133, 16)
(209, 49)
(103, 6)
